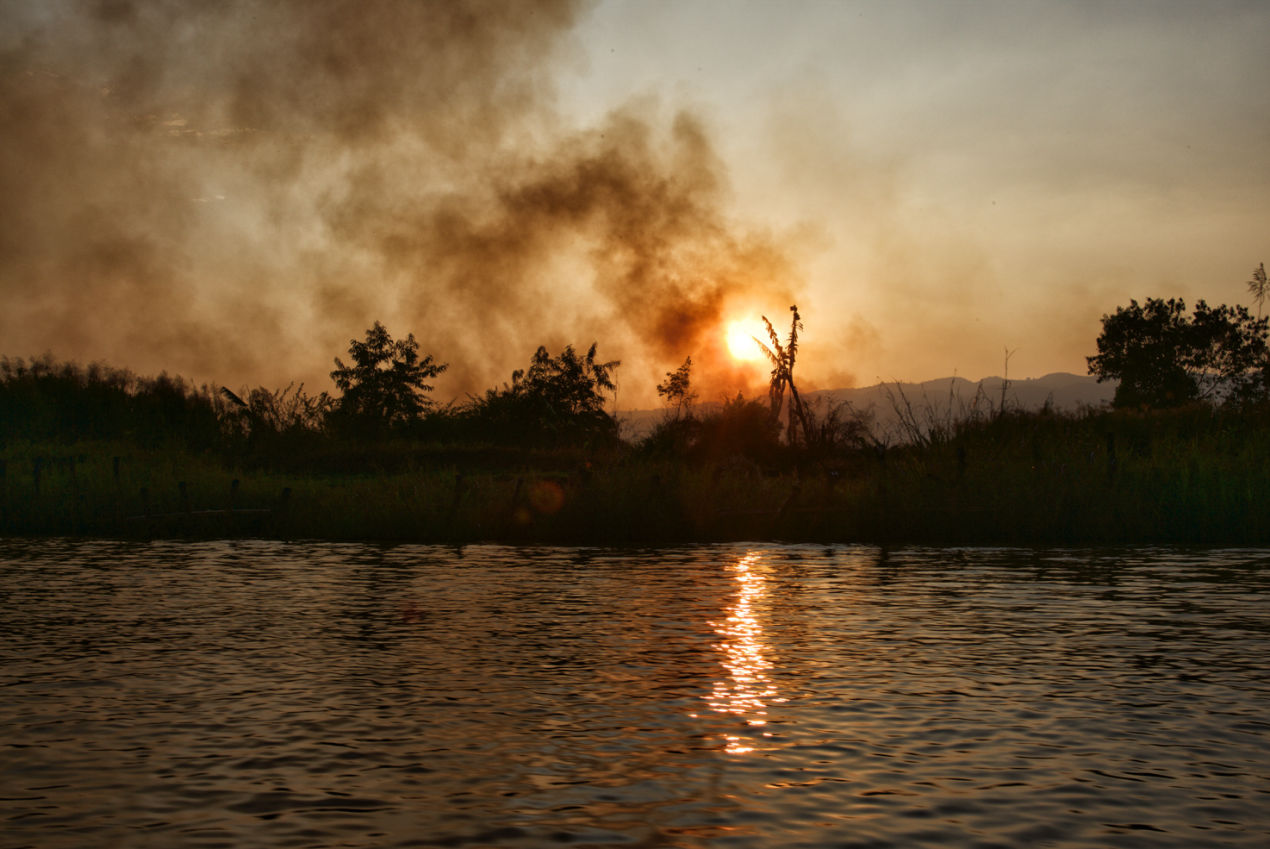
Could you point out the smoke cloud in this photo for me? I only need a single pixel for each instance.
(232, 191)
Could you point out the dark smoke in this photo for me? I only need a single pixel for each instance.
(234, 190)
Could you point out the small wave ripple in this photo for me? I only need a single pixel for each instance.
(293, 694)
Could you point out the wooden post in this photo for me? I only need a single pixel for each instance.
(789, 501)
(76, 512)
(35, 473)
(458, 493)
(114, 464)
(145, 501)
(233, 494)
(881, 455)
(185, 497)
(883, 515)
(284, 503)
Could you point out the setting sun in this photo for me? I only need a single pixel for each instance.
(741, 344)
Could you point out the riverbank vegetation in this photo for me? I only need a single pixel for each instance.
(98, 451)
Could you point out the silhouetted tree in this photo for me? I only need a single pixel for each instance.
(782, 358)
(1258, 286)
(385, 385)
(1164, 358)
(677, 390)
(42, 398)
(555, 398)
(568, 384)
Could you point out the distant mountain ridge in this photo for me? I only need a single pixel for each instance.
(1063, 391)
(945, 396)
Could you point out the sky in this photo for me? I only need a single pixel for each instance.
(233, 191)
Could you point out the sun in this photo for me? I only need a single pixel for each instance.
(741, 344)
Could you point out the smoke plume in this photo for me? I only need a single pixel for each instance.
(234, 190)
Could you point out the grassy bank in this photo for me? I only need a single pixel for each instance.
(1190, 476)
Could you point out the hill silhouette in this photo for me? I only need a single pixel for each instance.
(942, 398)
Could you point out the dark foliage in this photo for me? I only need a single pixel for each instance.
(1165, 358)
(1259, 286)
(677, 392)
(557, 400)
(279, 428)
(783, 358)
(740, 429)
(385, 386)
(46, 399)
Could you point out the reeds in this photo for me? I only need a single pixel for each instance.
(1196, 475)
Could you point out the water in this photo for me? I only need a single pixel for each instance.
(287, 694)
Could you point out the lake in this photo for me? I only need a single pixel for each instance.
(253, 693)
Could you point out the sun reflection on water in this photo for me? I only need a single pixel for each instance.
(747, 690)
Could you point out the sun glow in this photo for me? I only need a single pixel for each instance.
(741, 344)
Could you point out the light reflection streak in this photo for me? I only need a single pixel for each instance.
(747, 690)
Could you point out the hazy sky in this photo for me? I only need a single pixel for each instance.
(232, 191)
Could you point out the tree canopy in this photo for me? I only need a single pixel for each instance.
(555, 398)
(385, 385)
(677, 391)
(1163, 357)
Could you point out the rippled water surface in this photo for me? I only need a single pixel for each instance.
(289, 694)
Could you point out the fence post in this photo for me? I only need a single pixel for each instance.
(790, 499)
(458, 493)
(76, 512)
(114, 463)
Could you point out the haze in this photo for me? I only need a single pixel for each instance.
(232, 191)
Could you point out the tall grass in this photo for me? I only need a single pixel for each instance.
(1188, 476)
(99, 452)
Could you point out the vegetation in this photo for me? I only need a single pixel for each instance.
(42, 398)
(384, 387)
(1163, 358)
(1183, 457)
(556, 401)
(677, 391)
(782, 358)
(1258, 286)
